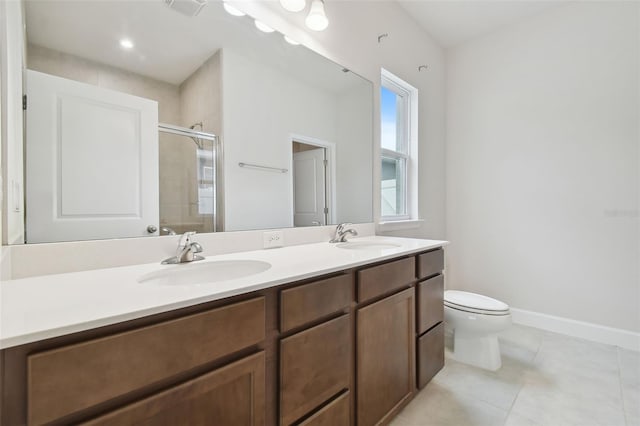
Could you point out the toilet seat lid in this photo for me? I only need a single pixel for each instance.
(464, 299)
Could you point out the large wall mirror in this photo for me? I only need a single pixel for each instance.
(146, 118)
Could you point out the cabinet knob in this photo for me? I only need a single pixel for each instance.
(151, 229)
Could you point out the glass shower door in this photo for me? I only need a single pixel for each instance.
(188, 168)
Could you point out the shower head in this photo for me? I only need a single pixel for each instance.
(196, 139)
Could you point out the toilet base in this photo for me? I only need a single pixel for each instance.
(480, 351)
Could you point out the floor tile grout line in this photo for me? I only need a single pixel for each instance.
(522, 387)
(476, 399)
(624, 408)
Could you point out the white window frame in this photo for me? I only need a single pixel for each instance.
(407, 130)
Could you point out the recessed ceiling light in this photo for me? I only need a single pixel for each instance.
(290, 40)
(263, 27)
(125, 43)
(232, 10)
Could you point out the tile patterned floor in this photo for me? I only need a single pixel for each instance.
(546, 379)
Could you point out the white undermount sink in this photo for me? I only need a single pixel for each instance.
(205, 273)
(367, 245)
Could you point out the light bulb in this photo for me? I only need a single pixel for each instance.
(232, 10)
(317, 19)
(293, 5)
(126, 43)
(290, 40)
(263, 27)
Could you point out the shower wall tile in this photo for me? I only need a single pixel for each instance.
(200, 96)
(86, 71)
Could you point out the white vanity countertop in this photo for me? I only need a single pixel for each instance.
(33, 309)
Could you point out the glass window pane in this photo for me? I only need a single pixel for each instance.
(389, 118)
(393, 187)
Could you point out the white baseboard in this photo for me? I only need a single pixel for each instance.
(584, 330)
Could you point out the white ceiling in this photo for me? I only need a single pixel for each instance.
(452, 22)
(168, 45)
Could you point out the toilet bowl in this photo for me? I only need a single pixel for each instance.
(476, 321)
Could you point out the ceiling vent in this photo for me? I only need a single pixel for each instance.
(186, 7)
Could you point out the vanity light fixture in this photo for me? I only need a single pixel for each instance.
(290, 40)
(293, 5)
(127, 44)
(317, 19)
(263, 27)
(232, 10)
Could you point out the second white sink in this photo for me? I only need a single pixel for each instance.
(205, 273)
(367, 245)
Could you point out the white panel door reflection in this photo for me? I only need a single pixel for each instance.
(309, 187)
(92, 162)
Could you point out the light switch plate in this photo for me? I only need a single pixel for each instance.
(273, 239)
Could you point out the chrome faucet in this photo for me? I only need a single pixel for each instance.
(186, 252)
(341, 233)
(168, 230)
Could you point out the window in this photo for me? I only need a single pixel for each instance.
(398, 113)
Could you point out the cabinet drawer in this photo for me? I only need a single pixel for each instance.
(69, 379)
(336, 413)
(430, 303)
(309, 302)
(430, 354)
(430, 263)
(314, 365)
(231, 395)
(385, 278)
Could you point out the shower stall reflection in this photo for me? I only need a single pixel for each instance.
(188, 169)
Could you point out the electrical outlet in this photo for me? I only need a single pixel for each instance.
(273, 239)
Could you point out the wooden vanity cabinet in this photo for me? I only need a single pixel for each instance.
(349, 348)
(430, 325)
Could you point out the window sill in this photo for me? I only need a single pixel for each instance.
(397, 225)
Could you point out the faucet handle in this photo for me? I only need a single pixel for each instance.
(342, 226)
(186, 238)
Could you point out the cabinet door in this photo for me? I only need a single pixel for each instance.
(385, 356)
(231, 395)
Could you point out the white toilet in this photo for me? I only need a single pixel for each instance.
(476, 321)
